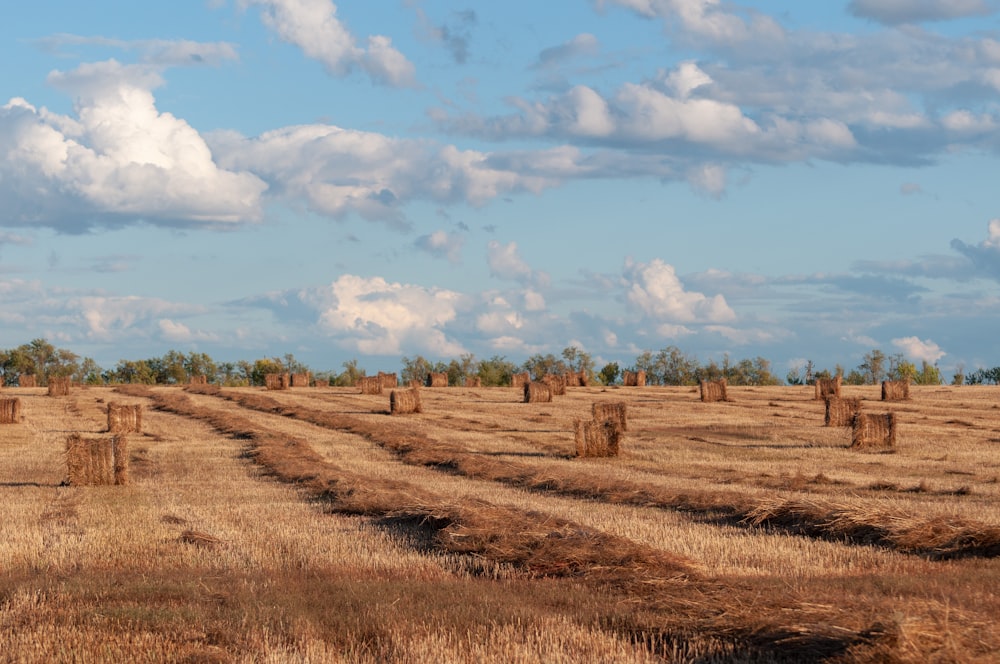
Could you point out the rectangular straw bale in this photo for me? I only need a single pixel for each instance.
(10, 411)
(437, 379)
(571, 379)
(610, 411)
(402, 402)
(199, 380)
(841, 412)
(519, 380)
(97, 460)
(536, 392)
(370, 385)
(27, 380)
(713, 390)
(874, 431)
(828, 387)
(277, 381)
(556, 383)
(895, 390)
(416, 384)
(597, 439)
(124, 418)
(1, 381)
(389, 380)
(473, 381)
(321, 382)
(300, 379)
(58, 386)
(634, 378)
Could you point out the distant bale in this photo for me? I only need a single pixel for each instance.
(634, 378)
(389, 380)
(416, 384)
(874, 431)
(300, 379)
(713, 390)
(598, 438)
(27, 380)
(95, 461)
(473, 381)
(10, 411)
(59, 386)
(370, 385)
(576, 378)
(610, 411)
(437, 379)
(277, 381)
(321, 382)
(536, 392)
(841, 412)
(895, 390)
(1, 381)
(519, 380)
(124, 418)
(199, 380)
(556, 383)
(827, 387)
(402, 402)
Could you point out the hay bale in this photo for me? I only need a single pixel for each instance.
(828, 387)
(416, 384)
(96, 461)
(389, 380)
(841, 412)
(610, 411)
(556, 383)
(277, 381)
(437, 379)
(713, 390)
(10, 411)
(895, 390)
(402, 402)
(321, 382)
(370, 385)
(634, 378)
(874, 431)
(473, 381)
(597, 439)
(199, 380)
(123, 418)
(27, 380)
(1, 380)
(535, 392)
(300, 379)
(519, 380)
(59, 386)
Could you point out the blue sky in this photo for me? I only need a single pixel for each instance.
(379, 179)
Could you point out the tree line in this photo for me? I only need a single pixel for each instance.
(668, 366)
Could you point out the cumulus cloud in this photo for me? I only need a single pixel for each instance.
(175, 332)
(313, 26)
(896, 12)
(118, 161)
(655, 291)
(505, 262)
(441, 244)
(926, 350)
(984, 256)
(107, 318)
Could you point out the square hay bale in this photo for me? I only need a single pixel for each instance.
(58, 386)
(199, 380)
(416, 384)
(536, 392)
(634, 378)
(473, 381)
(1, 380)
(370, 385)
(895, 390)
(713, 390)
(27, 380)
(97, 460)
(321, 382)
(277, 381)
(841, 412)
(556, 383)
(597, 439)
(389, 380)
(437, 379)
(519, 380)
(402, 402)
(827, 387)
(300, 380)
(874, 431)
(124, 418)
(571, 379)
(610, 411)
(10, 411)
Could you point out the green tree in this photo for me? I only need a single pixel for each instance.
(609, 373)
(200, 364)
(929, 374)
(264, 366)
(415, 369)
(496, 371)
(579, 361)
(350, 375)
(88, 372)
(873, 367)
(541, 365)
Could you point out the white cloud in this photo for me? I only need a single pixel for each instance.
(533, 300)
(580, 45)
(895, 12)
(505, 262)
(107, 318)
(313, 26)
(655, 290)
(175, 332)
(926, 350)
(442, 244)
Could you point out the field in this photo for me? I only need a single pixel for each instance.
(310, 525)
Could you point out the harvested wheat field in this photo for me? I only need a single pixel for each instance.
(313, 526)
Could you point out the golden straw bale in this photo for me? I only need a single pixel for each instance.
(610, 411)
(94, 461)
(473, 381)
(874, 431)
(519, 380)
(1, 381)
(556, 383)
(389, 380)
(895, 390)
(416, 384)
(370, 385)
(571, 379)
(535, 392)
(123, 418)
(402, 402)
(27, 380)
(199, 380)
(437, 379)
(300, 379)
(321, 382)
(841, 412)
(597, 438)
(713, 390)
(58, 386)
(828, 387)
(277, 381)
(634, 378)
(10, 411)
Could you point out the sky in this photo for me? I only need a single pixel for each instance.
(391, 178)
